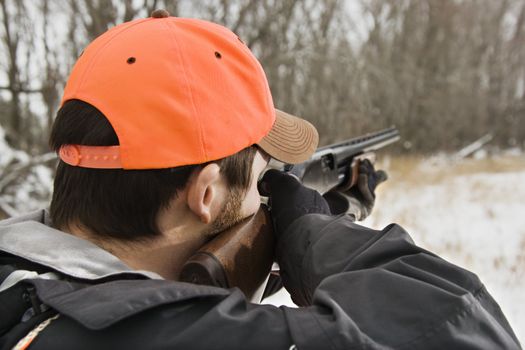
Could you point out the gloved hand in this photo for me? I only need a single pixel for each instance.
(289, 199)
(358, 200)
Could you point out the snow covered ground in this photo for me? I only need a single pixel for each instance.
(470, 212)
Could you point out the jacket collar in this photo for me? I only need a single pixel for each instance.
(31, 237)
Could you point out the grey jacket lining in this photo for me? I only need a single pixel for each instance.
(62, 252)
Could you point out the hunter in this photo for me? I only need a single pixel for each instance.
(165, 126)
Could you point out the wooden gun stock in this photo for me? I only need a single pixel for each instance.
(239, 257)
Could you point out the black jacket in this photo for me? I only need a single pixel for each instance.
(365, 289)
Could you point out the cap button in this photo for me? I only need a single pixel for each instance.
(161, 13)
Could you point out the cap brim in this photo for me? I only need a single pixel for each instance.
(291, 140)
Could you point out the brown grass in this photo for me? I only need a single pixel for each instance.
(418, 170)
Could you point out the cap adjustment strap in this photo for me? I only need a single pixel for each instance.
(96, 157)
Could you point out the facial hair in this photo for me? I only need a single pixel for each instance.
(230, 214)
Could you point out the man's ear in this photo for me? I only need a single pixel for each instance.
(203, 191)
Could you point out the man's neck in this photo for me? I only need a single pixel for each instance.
(164, 254)
(163, 257)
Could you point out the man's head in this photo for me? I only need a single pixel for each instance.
(163, 106)
(119, 203)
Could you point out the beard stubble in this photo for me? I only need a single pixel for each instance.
(230, 214)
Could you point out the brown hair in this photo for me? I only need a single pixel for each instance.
(120, 203)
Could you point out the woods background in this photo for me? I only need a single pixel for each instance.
(445, 72)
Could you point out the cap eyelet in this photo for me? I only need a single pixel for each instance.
(218, 54)
(131, 60)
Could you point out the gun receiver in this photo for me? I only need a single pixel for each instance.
(242, 256)
(335, 166)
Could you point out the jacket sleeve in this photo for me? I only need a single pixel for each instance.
(363, 288)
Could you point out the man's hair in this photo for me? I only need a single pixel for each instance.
(120, 203)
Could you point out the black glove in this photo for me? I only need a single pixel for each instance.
(358, 200)
(289, 199)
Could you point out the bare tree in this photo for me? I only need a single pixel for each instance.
(445, 71)
(52, 77)
(11, 39)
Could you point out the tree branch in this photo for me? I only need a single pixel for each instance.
(21, 90)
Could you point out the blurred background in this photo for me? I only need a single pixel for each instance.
(450, 74)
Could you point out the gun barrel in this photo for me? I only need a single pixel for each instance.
(362, 144)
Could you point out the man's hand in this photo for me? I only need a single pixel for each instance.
(289, 199)
(359, 200)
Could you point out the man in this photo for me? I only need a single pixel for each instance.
(165, 126)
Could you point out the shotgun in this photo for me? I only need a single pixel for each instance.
(242, 256)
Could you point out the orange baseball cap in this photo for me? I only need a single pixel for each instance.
(179, 91)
